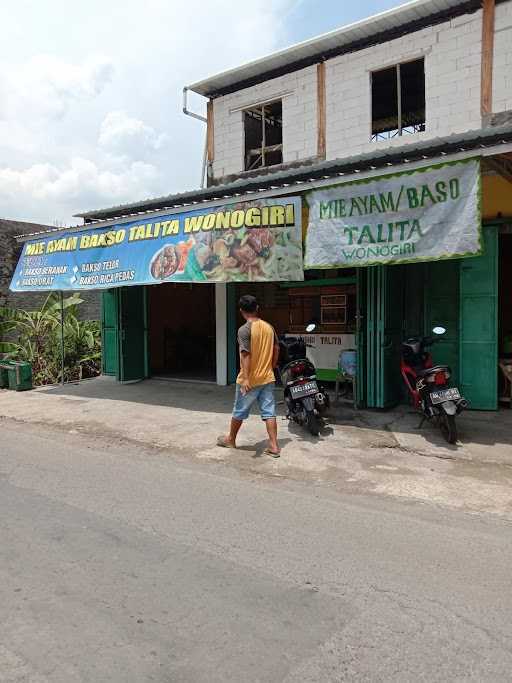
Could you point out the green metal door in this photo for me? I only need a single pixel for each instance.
(133, 352)
(361, 337)
(109, 332)
(442, 310)
(371, 336)
(479, 325)
(390, 333)
(384, 331)
(414, 296)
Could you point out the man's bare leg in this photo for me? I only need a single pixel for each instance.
(271, 425)
(234, 428)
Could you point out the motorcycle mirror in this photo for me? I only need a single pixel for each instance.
(439, 330)
(311, 327)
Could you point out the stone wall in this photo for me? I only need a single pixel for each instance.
(9, 254)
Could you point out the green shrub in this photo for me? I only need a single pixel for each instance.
(35, 336)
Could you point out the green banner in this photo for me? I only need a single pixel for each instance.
(426, 214)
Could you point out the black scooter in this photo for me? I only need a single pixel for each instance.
(306, 400)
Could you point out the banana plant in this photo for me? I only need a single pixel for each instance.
(35, 337)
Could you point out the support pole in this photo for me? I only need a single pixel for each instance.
(399, 93)
(62, 333)
(321, 110)
(221, 332)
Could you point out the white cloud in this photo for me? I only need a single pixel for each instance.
(45, 86)
(80, 130)
(122, 134)
(49, 186)
(45, 181)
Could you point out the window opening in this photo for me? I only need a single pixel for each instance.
(263, 127)
(398, 100)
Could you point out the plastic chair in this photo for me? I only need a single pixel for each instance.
(344, 378)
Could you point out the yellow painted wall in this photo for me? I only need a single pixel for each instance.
(496, 197)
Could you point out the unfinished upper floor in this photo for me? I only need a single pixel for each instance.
(427, 69)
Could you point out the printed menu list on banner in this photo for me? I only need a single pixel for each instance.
(258, 241)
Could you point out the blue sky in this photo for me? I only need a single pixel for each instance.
(90, 91)
(308, 18)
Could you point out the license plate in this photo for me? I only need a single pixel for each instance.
(444, 395)
(307, 389)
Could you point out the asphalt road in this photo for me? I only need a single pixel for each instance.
(118, 565)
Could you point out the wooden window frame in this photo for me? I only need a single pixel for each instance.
(258, 153)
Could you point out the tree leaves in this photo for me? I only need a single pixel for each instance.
(35, 336)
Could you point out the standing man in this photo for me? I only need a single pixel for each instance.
(259, 353)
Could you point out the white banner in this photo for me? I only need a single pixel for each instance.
(323, 350)
(428, 214)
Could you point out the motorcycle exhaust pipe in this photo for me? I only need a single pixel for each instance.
(320, 399)
(462, 404)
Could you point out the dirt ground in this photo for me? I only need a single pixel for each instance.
(383, 453)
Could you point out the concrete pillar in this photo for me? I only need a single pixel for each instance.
(221, 330)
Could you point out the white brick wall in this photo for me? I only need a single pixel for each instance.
(299, 119)
(452, 53)
(502, 72)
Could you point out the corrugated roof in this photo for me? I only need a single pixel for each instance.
(381, 27)
(301, 176)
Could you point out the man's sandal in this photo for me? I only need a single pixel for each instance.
(273, 454)
(224, 443)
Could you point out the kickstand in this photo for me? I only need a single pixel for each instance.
(423, 418)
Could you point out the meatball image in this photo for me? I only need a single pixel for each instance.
(164, 262)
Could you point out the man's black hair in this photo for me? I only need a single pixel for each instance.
(248, 303)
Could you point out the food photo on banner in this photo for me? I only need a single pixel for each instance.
(257, 241)
(426, 214)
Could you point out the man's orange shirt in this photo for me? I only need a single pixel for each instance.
(258, 338)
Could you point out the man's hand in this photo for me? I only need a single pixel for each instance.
(245, 364)
(275, 356)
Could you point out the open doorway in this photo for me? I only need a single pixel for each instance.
(329, 302)
(182, 331)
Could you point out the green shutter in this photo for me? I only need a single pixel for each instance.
(390, 335)
(109, 332)
(361, 337)
(384, 332)
(414, 295)
(133, 334)
(479, 325)
(442, 310)
(371, 336)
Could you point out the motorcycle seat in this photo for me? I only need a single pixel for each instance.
(431, 371)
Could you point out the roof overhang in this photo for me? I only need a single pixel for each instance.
(382, 27)
(486, 143)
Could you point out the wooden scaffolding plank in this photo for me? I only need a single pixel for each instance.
(488, 7)
(321, 139)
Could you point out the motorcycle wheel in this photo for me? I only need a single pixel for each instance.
(313, 424)
(448, 427)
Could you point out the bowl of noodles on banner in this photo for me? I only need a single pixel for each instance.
(170, 260)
